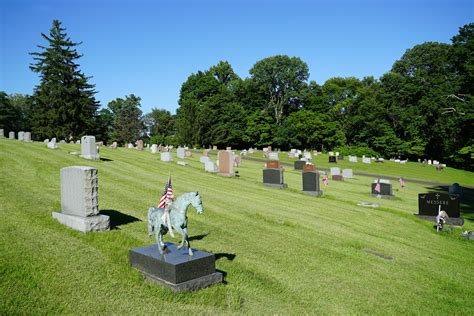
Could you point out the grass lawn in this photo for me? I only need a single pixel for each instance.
(282, 252)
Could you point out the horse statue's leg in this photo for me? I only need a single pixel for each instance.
(184, 239)
(151, 220)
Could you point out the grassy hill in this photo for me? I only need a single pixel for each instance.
(282, 252)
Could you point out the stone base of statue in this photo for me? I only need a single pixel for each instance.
(455, 221)
(174, 268)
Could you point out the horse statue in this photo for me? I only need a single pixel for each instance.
(179, 220)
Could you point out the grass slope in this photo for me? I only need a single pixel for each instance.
(282, 251)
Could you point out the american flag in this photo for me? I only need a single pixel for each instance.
(402, 182)
(377, 186)
(325, 181)
(167, 194)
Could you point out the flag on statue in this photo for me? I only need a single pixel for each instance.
(377, 186)
(168, 196)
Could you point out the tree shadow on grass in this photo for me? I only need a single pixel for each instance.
(118, 218)
(466, 203)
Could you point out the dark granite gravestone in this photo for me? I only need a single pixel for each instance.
(299, 164)
(385, 190)
(311, 183)
(175, 268)
(332, 159)
(340, 157)
(429, 206)
(274, 178)
(456, 189)
(338, 177)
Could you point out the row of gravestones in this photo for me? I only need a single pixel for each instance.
(22, 136)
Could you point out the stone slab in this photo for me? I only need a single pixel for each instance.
(84, 224)
(175, 268)
(456, 221)
(314, 193)
(79, 191)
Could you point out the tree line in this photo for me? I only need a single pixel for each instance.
(422, 108)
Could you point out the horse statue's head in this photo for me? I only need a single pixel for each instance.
(196, 202)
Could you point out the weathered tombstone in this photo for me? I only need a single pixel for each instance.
(335, 171)
(205, 153)
(181, 153)
(89, 148)
(139, 144)
(71, 142)
(237, 160)
(79, 200)
(210, 166)
(273, 156)
(204, 159)
(352, 159)
(21, 136)
(52, 144)
(11, 135)
(154, 148)
(2, 133)
(347, 173)
(366, 160)
(299, 164)
(311, 182)
(188, 154)
(455, 189)
(429, 204)
(385, 188)
(214, 147)
(130, 146)
(273, 175)
(332, 159)
(114, 145)
(226, 163)
(27, 137)
(166, 156)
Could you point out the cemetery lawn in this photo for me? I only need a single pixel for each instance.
(282, 252)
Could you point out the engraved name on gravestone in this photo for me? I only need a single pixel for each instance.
(80, 200)
(89, 148)
(429, 203)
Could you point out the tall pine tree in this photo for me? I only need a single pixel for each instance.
(64, 105)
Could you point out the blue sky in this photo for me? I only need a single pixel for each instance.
(149, 48)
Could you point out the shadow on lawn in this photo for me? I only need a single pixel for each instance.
(228, 256)
(105, 159)
(467, 201)
(197, 237)
(118, 218)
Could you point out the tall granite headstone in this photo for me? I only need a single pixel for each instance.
(273, 175)
(310, 179)
(226, 163)
(89, 148)
(80, 200)
(429, 204)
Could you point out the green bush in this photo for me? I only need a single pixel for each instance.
(358, 151)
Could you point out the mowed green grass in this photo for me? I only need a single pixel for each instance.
(282, 252)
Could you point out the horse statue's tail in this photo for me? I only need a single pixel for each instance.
(151, 220)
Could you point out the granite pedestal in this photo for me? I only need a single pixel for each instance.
(174, 268)
(274, 178)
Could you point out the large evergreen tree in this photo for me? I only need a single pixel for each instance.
(63, 103)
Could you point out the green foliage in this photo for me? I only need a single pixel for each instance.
(358, 151)
(280, 79)
(127, 121)
(63, 103)
(9, 115)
